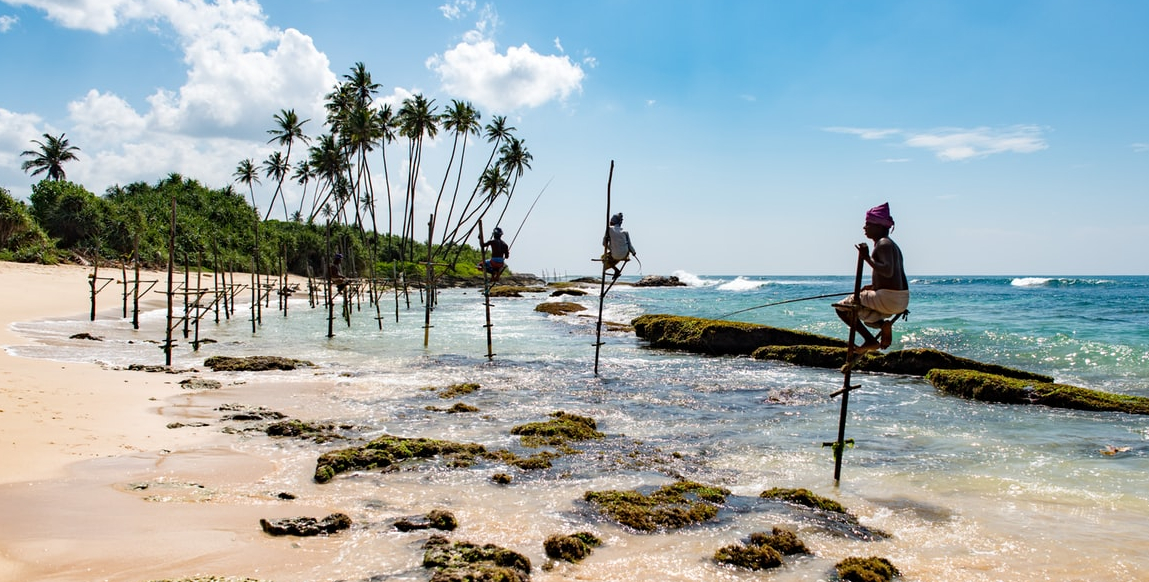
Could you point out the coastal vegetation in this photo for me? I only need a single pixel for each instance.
(338, 211)
(1002, 389)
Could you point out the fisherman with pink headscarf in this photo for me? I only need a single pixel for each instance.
(889, 292)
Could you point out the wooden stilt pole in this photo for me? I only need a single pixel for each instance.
(486, 290)
(171, 290)
(840, 444)
(602, 280)
(136, 285)
(428, 284)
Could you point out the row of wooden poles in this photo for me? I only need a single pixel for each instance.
(221, 295)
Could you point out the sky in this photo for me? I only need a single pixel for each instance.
(747, 137)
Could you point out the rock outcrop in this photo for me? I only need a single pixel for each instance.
(718, 337)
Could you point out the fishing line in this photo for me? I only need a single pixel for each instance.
(514, 238)
(828, 295)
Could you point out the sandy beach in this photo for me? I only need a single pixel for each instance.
(88, 461)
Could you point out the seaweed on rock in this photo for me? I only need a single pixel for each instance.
(571, 548)
(559, 430)
(253, 363)
(671, 506)
(461, 561)
(719, 337)
(1001, 389)
(749, 557)
(871, 569)
(389, 450)
(912, 362)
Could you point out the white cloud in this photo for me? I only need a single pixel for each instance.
(457, 9)
(1141, 147)
(474, 70)
(240, 73)
(504, 82)
(7, 22)
(956, 144)
(96, 15)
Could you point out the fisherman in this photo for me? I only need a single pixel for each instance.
(889, 292)
(617, 247)
(500, 252)
(335, 272)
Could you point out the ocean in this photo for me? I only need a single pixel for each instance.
(967, 491)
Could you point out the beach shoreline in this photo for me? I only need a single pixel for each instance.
(81, 445)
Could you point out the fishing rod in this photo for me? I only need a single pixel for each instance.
(826, 296)
(521, 224)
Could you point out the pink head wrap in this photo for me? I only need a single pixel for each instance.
(880, 215)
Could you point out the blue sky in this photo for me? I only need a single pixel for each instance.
(748, 137)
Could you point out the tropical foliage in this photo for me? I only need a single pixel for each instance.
(50, 158)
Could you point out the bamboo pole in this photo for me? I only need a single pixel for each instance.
(171, 276)
(602, 280)
(840, 444)
(486, 290)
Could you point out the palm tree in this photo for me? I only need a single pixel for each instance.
(463, 119)
(289, 129)
(302, 176)
(246, 173)
(515, 159)
(276, 166)
(54, 151)
(417, 120)
(497, 131)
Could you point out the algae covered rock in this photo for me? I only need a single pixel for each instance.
(306, 526)
(872, 569)
(573, 547)
(559, 307)
(562, 427)
(388, 450)
(912, 362)
(749, 557)
(832, 515)
(437, 519)
(1000, 389)
(784, 541)
(465, 561)
(669, 507)
(718, 337)
(659, 281)
(253, 363)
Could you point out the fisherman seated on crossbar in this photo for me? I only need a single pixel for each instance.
(335, 272)
(617, 247)
(889, 293)
(500, 252)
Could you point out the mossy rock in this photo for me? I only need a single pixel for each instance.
(1000, 389)
(502, 478)
(513, 290)
(460, 389)
(389, 450)
(670, 507)
(559, 307)
(465, 561)
(749, 557)
(457, 408)
(718, 337)
(784, 541)
(437, 519)
(832, 515)
(571, 548)
(306, 526)
(253, 363)
(912, 362)
(297, 428)
(562, 428)
(804, 497)
(871, 569)
(535, 462)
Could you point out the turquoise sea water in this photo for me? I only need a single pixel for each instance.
(967, 490)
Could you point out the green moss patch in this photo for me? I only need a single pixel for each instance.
(1000, 389)
(872, 569)
(749, 557)
(457, 408)
(804, 497)
(670, 507)
(389, 450)
(253, 363)
(562, 428)
(513, 290)
(461, 561)
(912, 362)
(456, 390)
(571, 548)
(718, 337)
(559, 307)
(784, 541)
